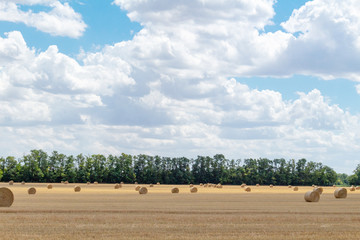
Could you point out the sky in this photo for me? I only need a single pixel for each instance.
(244, 78)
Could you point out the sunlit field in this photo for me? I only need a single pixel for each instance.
(102, 212)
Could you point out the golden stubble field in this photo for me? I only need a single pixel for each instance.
(102, 212)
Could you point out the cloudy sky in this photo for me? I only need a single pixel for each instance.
(245, 78)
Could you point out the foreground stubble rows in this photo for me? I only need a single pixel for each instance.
(102, 212)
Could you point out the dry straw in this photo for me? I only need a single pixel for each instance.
(66, 182)
(49, 186)
(289, 186)
(271, 186)
(143, 190)
(22, 183)
(151, 185)
(352, 189)
(295, 188)
(77, 188)
(32, 190)
(117, 186)
(312, 196)
(175, 190)
(11, 182)
(137, 188)
(340, 193)
(6, 197)
(357, 188)
(248, 189)
(193, 190)
(318, 189)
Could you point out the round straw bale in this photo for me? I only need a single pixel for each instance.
(151, 185)
(340, 193)
(96, 183)
(136, 183)
(289, 186)
(122, 183)
(258, 185)
(32, 190)
(117, 186)
(318, 189)
(175, 190)
(243, 185)
(313, 185)
(11, 182)
(77, 188)
(191, 185)
(137, 188)
(143, 190)
(6, 197)
(201, 184)
(66, 182)
(22, 183)
(248, 189)
(49, 186)
(62, 181)
(88, 183)
(352, 189)
(295, 188)
(271, 186)
(193, 190)
(219, 186)
(334, 185)
(312, 196)
(357, 188)
(158, 183)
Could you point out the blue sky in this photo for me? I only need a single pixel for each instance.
(182, 78)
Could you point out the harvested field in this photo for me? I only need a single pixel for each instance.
(102, 212)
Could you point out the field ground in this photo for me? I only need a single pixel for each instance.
(102, 212)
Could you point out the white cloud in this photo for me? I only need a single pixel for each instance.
(170, 91)
(60, 20)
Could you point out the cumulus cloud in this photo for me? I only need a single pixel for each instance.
(60, 20)
(171, 89)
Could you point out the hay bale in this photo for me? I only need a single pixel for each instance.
(318, 189)
(191, 185)
(175, 190)
(88, 183)
(143, 190)
(157, 183)
(137, 188)
(289, 186)
(49, 186)
(219, 186)
(117, 186)
(312, 196)
(357, 188)
(96, 183)
(32, 190)
(258, 185)
(193, 190)
(271, 186)
(295, 189)
(121, 183)
(248, 189)
(151, 185)
(22, 183)
(334, 185)
(243, 185)
(6, 197)
(136, 183)
(66, 182)
(201, 184)
(352, 189)
(340, 193)
(77, 188)
(11, 182)
(62, 182)
(313, 185)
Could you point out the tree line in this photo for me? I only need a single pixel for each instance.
(38, 166)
